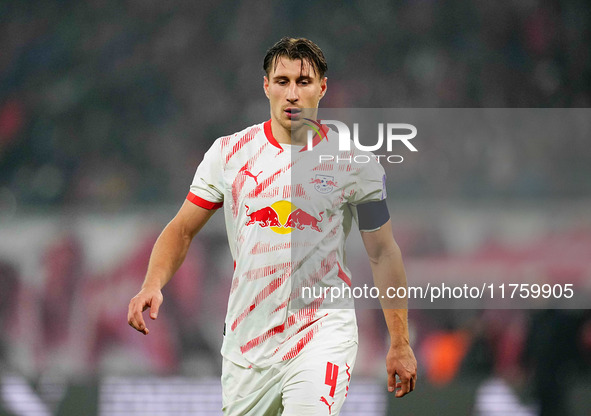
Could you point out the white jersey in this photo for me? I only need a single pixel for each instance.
(287, 217)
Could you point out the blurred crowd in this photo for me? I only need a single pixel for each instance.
(112, 103)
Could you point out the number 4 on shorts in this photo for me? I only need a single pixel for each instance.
(332, 372)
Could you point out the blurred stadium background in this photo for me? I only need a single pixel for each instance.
(106, 108)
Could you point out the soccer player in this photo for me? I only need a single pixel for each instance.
(287, 218)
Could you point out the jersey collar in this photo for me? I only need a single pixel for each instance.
(269, 134)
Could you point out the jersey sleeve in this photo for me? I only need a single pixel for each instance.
(369, 183)
(207, 188)
(367, 199)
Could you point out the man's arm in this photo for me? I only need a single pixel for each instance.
(167, 256)
(388, 271)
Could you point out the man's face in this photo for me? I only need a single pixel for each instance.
(290, 87)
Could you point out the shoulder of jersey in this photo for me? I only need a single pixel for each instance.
(234, 142)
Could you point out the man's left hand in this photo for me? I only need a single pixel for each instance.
(401, 361)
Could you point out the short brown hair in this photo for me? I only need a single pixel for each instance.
(296, 48)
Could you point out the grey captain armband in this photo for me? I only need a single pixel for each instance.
(372, 215)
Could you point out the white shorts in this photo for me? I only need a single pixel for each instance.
(315, 382)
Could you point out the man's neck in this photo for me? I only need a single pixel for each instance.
(281, 134)
(286, 136)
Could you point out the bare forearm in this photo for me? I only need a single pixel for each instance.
(167, 256)
(388, 272)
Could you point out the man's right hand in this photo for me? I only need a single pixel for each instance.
(146, 298)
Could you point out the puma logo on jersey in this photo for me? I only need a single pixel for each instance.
(247, 173)
(323, 400)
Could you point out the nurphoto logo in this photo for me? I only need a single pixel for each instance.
(388, 134)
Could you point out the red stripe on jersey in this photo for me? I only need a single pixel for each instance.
(324, 167)
(283, 305)
(262, 248)
(270, 193)
(262, 295)
(313, 278)
(225, 141)
(309, 324)
(345, 167)
(300, 192)
(269, 135)
(277, 330)
(343, 276)
(306, 316)
(267, 182)
(240, 179)
(265, 271)
(333, 231)
(235, 283)
(258, 340)
(301, 344)
(202, 202)
(236, 187)
(242, 141)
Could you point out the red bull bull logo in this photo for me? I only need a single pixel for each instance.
(300, 219)
(265, 217)
(283, 217)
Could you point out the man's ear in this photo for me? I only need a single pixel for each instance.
(266, 85)
(323, 86)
